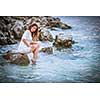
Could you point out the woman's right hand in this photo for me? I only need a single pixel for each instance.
(33, 42)
(31, 45)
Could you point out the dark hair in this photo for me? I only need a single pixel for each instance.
(36, 32)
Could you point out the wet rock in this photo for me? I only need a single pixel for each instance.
(63, 42)
(45, 35)
(17, 58)
(48, 50)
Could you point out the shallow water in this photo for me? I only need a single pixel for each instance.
(78, 64)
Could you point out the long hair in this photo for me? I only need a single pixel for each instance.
(36, 32)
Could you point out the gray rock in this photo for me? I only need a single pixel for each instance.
(55, 22)
(45, 35)
(6, 39)
(18, 29)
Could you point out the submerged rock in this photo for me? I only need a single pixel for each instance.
(48, 50)
(17, 58)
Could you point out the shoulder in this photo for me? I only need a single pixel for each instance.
(27, 31)
(26, 34)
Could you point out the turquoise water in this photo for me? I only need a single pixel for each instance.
(78, 64)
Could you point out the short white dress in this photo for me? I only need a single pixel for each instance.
(23, 48)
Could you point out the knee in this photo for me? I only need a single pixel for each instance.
(37, 46)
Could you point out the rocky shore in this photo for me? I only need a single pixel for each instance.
(13, 27)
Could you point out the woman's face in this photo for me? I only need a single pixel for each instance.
(33, 29)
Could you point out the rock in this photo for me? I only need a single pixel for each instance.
(48, 50)
(13, 27)
(11, 41)
(55, 22)
(63, 42)
(45, 35)
(6, 39)
(5, 26)
(63, 26)
(58, 25)
(17, 29)
(17, 58)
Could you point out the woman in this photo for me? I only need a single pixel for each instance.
(29, 42)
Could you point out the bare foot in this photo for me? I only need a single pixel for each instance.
(33, 62)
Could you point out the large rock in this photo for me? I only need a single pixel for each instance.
(18, 29)
(55, 22)
(17, 58)
(45, 35)
(63, 41)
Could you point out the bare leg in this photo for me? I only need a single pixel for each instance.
(35, 52)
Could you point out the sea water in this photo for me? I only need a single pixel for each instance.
(81, 63)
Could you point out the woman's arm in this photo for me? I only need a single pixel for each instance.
(38, 34)
(26, 42)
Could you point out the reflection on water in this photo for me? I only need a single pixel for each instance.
(78, 64)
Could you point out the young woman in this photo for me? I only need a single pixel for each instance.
(29, 42)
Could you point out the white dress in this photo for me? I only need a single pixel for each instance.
(22, 46)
